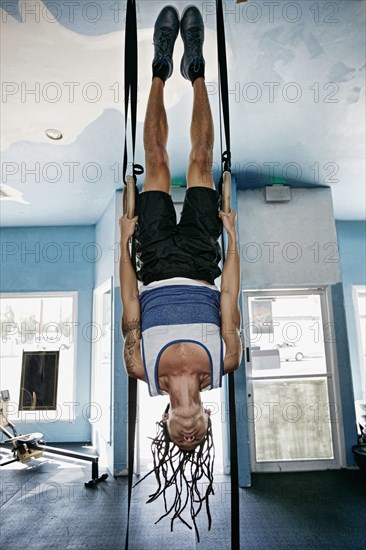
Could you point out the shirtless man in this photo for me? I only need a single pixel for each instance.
(174, 325)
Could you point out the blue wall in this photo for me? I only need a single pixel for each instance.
(41, 259)
(352, 249)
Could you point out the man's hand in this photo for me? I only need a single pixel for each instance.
(229, 222)
(127, 228)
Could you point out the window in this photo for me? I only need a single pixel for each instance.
(35, 326)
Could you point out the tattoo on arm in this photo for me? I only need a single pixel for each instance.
(130, 363)
(129, 326)
(132, 334)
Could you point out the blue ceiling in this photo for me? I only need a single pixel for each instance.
(297, 101)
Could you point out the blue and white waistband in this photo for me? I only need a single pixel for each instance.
(179, 305)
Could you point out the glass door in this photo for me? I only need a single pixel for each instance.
(292, 405)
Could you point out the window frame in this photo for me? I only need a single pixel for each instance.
(67, 413)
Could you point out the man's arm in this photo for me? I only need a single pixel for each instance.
(131, 321)
(230, 288)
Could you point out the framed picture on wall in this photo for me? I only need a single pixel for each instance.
(38, 386)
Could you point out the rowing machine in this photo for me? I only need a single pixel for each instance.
(25, 447)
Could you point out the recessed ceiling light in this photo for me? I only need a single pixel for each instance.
(52, 133)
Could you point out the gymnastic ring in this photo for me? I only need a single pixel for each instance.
(226, 192)
(129, 194)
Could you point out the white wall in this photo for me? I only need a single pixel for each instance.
(290, 243)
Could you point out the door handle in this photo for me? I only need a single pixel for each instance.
(247, 353)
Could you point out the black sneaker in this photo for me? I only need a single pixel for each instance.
(165, 33)
(193, 35)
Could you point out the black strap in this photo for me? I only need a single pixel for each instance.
(130, 81)
(132, 409)
(223, 83)
(131, 72)
(226, 162)
(235, 520)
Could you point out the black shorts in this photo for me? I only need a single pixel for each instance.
(190, 248)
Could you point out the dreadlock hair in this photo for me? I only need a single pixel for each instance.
(182, 471)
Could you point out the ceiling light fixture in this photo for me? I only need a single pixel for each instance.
(54, 134)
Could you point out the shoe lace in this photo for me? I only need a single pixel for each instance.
(163, 45)
(194, 42)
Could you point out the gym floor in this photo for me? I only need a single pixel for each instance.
(44, 505)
